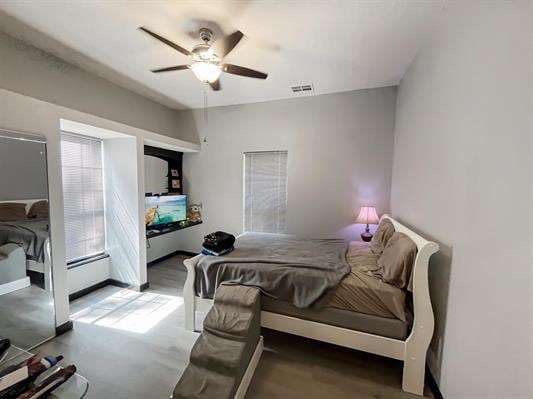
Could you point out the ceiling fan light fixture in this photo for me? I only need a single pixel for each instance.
(206, 72)
(206, 64)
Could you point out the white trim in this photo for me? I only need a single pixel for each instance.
(34, 266)
(412, 351)
(149, 138)
(11, 134)
(359, 340)
(250, 370)
(14, 285)
(43, 267)
(82, 129)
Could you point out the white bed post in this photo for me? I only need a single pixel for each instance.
(189, 295)
(416, 345)
(47, 267)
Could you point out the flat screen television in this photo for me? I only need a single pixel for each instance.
(164, 210)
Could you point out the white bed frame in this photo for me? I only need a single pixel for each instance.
(40, 267)
(250, 370)
(412, 351)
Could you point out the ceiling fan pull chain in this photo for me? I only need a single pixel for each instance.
(206, 120)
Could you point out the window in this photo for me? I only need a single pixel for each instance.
(83, 196)
(265, 191)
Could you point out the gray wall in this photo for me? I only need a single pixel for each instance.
(339, 158)
(155, 175)
(462, 176)
(22, 170)
(27, 70)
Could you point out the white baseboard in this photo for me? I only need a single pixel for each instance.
(14, 285)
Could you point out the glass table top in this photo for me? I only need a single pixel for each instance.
(76, 387)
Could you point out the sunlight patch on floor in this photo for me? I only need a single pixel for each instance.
(129, 310)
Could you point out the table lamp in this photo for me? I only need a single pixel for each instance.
(367, 215)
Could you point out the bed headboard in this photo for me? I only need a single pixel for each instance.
(28, 202)
(424, 322)
(419, 240)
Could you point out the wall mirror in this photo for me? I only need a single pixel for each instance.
(27, 314)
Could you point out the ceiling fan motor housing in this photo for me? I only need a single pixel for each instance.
(206, 35)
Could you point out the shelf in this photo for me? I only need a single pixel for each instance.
(76, 387)
(156, 233)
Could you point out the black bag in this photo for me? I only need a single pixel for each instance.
(218, 241)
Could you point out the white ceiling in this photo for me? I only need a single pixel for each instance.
(335, 45)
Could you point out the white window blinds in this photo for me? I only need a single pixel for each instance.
(265, 191)
(83, 196)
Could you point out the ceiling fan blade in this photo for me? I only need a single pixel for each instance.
(166, 41)
(215, 85)
(172, 68)
(242, 71)
(224, 46)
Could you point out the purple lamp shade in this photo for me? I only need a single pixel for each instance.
(367, 215)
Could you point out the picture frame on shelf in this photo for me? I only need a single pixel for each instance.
(174, 173)
(176, 185)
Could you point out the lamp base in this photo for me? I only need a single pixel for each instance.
(366, 236)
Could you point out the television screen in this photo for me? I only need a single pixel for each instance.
(165, 209)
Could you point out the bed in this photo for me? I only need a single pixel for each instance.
(402, 336)
(33, 236)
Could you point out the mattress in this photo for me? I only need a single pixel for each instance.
(362, 301)
(383, 326)
(359, 301)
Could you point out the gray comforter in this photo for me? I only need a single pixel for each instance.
(31, 235)
(301, 271)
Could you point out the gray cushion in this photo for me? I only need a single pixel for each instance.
(397, 260)
(236, 314)
(223, 351)
(381, 238)
(218, 354)
(238, 295)
(39, 210)
(199, 383)
(12, 211)
(230, 321)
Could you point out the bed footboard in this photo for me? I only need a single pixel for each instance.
(189, 298)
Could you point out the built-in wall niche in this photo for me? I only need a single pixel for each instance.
(163, 171)
(155, 175)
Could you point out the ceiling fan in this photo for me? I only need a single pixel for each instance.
(206, 61)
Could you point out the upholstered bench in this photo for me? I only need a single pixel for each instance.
(224, 357)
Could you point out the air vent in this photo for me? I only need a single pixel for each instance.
(303, 89)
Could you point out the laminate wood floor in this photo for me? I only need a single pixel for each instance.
(134, 345)
(27, 316)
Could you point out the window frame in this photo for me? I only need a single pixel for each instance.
(244, 191)
(88, 258)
